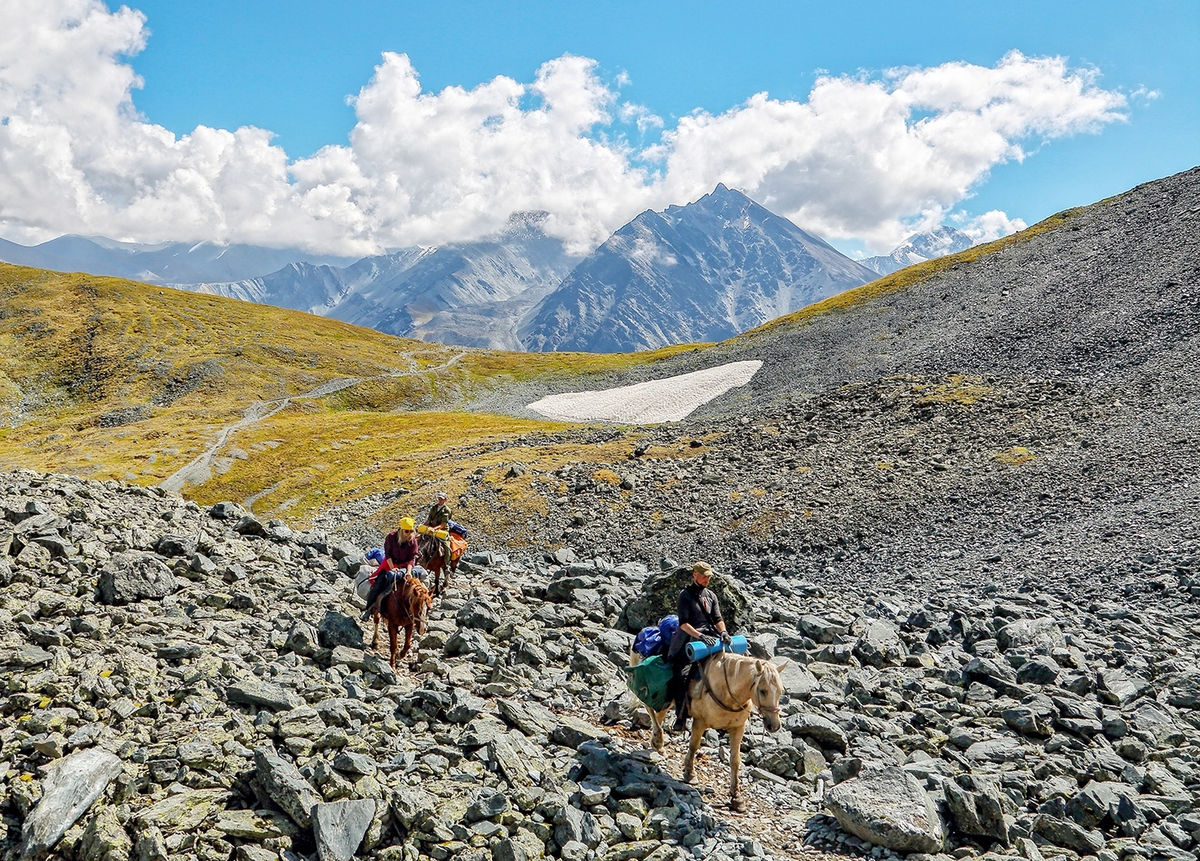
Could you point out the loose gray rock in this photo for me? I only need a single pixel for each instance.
(340, 826)
(70, 786)
(285, 785)
(134, 576)
(888, 807)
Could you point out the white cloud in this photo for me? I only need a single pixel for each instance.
(993, 224)
(865, 157)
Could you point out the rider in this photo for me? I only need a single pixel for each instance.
(439, 518)
(400, 552)
(699, 619)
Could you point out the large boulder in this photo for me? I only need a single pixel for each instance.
(889, 808)
(70, 786)
(339, 827)
(880, 644)
(1033, 635)
(284, 785)
(660, 597)
(338, 629)
(135, 575)
(976, 807)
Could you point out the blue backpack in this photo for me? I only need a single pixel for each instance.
(648, 642)
(667, 626)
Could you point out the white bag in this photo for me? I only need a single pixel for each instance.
(362, 583)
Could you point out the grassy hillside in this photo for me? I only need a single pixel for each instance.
(110, 378)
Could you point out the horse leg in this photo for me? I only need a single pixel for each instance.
(407, 642)
(393, 632)
(693, 746)
(736, 802)
(656, 728)
(416, 644)
(375, 635)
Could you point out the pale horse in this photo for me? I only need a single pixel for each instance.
(721, 699)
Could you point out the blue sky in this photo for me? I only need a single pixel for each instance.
(291, 67)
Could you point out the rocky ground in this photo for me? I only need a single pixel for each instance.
(183, 683)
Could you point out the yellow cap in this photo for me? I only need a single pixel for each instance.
(406, 523)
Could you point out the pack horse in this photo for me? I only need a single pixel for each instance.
(721, 699)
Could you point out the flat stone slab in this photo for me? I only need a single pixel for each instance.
(259, 693)
(70, 786)
(889, 808)
(339, 827)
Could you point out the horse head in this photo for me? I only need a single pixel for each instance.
(766, 693)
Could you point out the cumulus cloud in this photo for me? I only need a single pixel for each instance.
(993, 224)
(866, 157)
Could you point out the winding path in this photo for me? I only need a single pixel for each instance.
(199, 469)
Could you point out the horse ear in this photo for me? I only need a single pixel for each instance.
(783, 664)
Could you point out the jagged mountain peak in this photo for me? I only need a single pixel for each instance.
(525, 224)
(919, 247)
(700, 272)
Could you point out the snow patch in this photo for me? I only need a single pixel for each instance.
(667, 400)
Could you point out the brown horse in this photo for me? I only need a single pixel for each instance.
(721, 699)
(431, 560)
(406, 607)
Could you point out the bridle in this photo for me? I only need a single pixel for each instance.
(728, 687)
(758, 672)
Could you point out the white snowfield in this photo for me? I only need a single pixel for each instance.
(667, 400)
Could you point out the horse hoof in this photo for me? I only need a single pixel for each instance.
(737, 805)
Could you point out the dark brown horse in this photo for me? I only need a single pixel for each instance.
(432, 561)
(406, 607)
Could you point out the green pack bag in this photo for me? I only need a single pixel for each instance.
(650, 681)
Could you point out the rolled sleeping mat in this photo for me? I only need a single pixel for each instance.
(697, 651)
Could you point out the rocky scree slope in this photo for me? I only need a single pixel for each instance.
(210, 697)
(193, 684)
(1032, 414)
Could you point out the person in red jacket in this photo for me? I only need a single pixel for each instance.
(400, 555)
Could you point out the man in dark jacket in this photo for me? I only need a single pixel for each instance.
(699, 619)
(439, 518)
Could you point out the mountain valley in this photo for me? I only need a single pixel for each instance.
(960, 500)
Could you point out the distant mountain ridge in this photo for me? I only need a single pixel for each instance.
(920, 247)
(469, 294)
(177, 264)
(701, 272)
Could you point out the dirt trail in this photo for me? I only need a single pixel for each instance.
(200, 468)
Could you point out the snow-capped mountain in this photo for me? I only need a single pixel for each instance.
(471, 293)
(175, 263)
(920, 247)
(701, 272)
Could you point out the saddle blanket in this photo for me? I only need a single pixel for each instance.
(650, 682)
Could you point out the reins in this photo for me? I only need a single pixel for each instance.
(729, 688)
